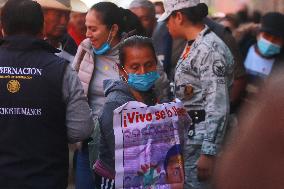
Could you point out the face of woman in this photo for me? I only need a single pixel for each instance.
(97, 31)
(174, 27)
(139, 60)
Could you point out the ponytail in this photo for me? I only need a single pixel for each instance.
(203, 9)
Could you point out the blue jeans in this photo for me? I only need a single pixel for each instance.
(84, 178)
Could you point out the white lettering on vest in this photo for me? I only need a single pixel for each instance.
(20, 71)
(20, 111)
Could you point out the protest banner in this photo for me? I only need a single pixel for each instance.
(148, 145)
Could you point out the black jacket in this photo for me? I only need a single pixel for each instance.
(33, 137)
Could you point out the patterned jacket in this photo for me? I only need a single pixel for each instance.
(202, 80)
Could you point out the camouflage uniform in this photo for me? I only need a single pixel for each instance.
(202, 81)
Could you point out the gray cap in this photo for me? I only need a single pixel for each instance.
(173, 5)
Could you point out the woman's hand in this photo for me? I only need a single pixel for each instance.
(205, 167)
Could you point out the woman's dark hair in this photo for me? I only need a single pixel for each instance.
(22, 17)
(135, 41)
(110, 13)
(194, 14)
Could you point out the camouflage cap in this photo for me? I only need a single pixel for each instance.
(172, 5)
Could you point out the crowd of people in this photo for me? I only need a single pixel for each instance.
(65, 68)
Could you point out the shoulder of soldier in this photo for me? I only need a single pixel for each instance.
(209, 43)
(217, 45)
(212, 46)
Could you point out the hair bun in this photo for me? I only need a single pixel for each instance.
(122, 11)
(203, 9)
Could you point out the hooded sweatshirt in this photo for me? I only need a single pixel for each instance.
(117, 93)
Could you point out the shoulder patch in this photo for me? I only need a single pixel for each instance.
(219, 68)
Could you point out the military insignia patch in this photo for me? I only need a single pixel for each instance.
(13, 86)
(219, 68)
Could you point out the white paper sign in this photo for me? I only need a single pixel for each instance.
(148, 145)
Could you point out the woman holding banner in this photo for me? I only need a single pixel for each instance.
(96, 58)
(138, 73)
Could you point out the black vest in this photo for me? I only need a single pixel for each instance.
(33, 137)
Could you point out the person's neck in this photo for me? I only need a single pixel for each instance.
(144, 97)
(192, 31)
(137, 95)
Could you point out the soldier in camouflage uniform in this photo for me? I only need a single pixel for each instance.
(202, 80)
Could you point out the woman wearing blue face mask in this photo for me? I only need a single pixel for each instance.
(265, 56)
(138, 73)
(95, 62)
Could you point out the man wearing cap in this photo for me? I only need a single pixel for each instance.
(202, 80)
(56, 18)
(42, 103)
(266, 56)
(76, 27)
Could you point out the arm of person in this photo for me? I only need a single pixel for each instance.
(215, 89)
(79, 120)
(239, 82)
(106, 124)
(237, 91)
(216, 102)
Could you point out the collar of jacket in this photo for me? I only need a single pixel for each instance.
(26, 42)
(200, 36)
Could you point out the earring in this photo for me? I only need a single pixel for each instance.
(123, 78)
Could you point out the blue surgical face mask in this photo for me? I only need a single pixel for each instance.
(104, 48)
(266, 48)
(141, 82)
